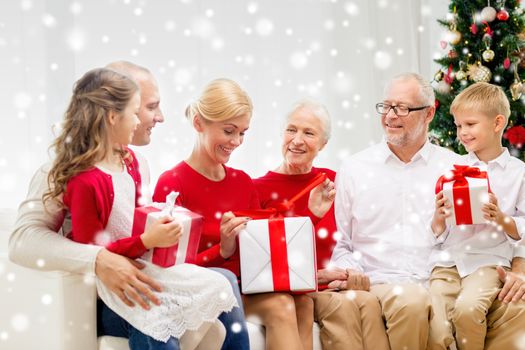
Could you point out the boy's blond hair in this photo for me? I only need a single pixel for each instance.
(484, 98)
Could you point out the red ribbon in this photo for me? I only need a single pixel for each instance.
(487, 29)
(280, 209)
(277, 233)
(448, 77)
(460, 190)
(279, 255)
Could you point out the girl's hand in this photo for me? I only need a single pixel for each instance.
(441, 213)
(321, 198)
(230, 228)
(163, 233)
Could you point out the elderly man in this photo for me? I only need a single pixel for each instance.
(383, 207)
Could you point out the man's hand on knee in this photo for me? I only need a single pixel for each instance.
(513, 285)
(123, 277)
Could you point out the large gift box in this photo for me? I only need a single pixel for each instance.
(467, 188)
(185, 251)
(278, 254)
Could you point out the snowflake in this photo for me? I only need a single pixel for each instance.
(264, 27)
(236, 327)
(20, 322)
(298, 60)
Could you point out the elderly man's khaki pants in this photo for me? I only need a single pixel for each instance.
(406, 311)
(350, 320)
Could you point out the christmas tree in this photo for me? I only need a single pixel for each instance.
(484, 41)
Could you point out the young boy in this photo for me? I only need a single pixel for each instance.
(464, 280)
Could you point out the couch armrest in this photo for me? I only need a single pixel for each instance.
(46, 310)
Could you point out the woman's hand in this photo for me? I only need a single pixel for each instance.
(230, 228)
(328, 275)
(163, 233)
(441, 213)
(321, 198)
(356, 281)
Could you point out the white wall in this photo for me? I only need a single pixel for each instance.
(340, 52)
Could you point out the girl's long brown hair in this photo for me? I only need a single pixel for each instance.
(83, 139)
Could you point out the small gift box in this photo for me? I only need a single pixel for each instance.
(185, 251)
(278, 255)
(467, 188)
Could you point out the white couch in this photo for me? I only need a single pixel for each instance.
(56, 310)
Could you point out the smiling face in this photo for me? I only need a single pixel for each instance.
(303, 138)
(219, 139)
(477, 131)
(149, 113)
(410, 130)
(123, 125)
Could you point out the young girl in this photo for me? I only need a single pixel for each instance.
(98, 177)
(221, 117)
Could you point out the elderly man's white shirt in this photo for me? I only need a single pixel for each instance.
(383, 209)
(469, 247)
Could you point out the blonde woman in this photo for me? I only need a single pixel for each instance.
(221, 116)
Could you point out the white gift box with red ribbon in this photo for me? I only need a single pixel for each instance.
(278, 255)
(185, 251)
(467, 188)
(466, 208)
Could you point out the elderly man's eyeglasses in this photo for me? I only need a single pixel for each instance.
(400, 111)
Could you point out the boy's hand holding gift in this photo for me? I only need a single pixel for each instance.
(492, 213)
(162, 233)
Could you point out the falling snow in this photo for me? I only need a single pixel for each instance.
(336, 51)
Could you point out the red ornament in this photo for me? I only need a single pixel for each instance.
(516, 136)
(506, 63)
(487, 29)
(502, 15)
(436, 103)
(452, 54)
(474, 28)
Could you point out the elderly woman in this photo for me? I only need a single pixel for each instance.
(344, 317)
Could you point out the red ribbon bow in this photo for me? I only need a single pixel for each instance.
(280, 209)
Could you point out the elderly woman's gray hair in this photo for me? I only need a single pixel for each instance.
(318, 110)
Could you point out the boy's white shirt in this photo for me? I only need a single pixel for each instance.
(37, 241)
(470, 247)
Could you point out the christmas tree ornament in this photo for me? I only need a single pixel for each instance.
(488, 31)
(454, 36)
(502, 15)
(442, 87)
(452, 54)
(439, 75)
(488, 14)
(461, 75)
(479, 73)
(516, 90)
(506, 63)
(488, 55)
(474, 28)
